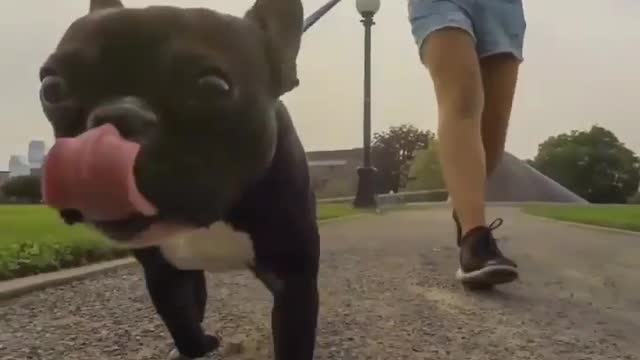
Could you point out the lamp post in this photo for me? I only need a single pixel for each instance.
(365, 197)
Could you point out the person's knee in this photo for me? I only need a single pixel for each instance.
(450, 56)
(462, 105)
(459, 90)
(499, 78)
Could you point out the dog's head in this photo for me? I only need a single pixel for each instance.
(194, 88)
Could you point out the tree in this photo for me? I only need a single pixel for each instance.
(593, 164)
(24, 188)
(426, 172)
(393, 151)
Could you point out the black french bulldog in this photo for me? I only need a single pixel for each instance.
(199, 91)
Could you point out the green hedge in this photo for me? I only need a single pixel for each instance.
(33, 239)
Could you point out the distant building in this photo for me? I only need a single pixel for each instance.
(334, 173)
(37, 149)
(18, 166)
(32, 164)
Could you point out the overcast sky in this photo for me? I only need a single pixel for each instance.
(582, 68)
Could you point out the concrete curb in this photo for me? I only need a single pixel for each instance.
(18, 287)
(343, 218)
(585, 226)
(15, 288)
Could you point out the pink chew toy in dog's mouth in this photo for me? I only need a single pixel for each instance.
(93, 174)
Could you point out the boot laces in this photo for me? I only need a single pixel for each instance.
(488, 242)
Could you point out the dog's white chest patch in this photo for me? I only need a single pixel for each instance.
(215, 249)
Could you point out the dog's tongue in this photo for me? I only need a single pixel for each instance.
(93, 173)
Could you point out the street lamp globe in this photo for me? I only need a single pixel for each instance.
(368, 7)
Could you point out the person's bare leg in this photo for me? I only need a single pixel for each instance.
(452, 35)
(450, 56)
(499, 78)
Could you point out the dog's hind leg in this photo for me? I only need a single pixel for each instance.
(180, 298)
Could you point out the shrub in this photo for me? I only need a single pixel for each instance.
(35, 240)
(426, 173)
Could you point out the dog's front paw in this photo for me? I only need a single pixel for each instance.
(212, 344)
(175, 355)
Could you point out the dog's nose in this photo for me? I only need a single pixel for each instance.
(130, 115)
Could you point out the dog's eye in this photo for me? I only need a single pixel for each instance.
(213, 85)
(54, 90)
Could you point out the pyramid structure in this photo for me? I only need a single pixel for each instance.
(516, 181)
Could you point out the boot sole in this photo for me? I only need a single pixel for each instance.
(488, 277)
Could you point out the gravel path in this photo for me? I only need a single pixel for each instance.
(387, 293)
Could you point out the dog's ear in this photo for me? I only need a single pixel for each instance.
(282, 22)
(96, 5)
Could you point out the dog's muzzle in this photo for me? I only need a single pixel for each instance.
(93, 173)
(132, 117)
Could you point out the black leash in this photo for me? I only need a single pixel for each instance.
(313, 18)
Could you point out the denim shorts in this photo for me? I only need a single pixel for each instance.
(497, 26)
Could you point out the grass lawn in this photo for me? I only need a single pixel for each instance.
(33, 239)
(626, 217)
(332, 211)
